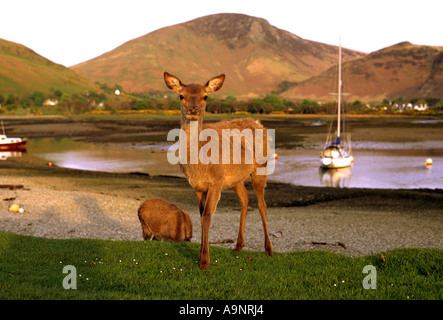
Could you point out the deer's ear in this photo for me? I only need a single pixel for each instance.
(173, 82)
(215, 83)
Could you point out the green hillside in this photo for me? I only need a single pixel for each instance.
(22, 71)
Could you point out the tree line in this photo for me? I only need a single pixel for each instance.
(105, 97)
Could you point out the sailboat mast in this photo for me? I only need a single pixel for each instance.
(339, 90)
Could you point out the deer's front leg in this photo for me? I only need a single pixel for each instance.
(213, 196)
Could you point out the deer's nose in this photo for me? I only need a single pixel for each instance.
(193, 110)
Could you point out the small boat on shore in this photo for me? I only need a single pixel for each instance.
(11, 144)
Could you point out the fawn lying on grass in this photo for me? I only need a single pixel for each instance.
(163, 221)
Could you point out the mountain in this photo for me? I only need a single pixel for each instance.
(402, 70)
(22, 71)
(254, 55)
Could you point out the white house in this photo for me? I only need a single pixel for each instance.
(50, 102)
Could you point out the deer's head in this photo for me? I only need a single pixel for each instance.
(193, 96)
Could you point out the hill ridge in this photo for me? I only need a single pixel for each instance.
(254, 55)
(403, 69)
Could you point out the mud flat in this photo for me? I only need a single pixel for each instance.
(291, 131)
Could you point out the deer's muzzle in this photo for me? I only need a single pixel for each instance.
(192, 111)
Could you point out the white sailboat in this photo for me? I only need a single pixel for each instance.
(337, 155)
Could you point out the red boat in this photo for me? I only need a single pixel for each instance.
(12, 143)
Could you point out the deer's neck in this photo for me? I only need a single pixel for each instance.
(192, 130)
(193, 127)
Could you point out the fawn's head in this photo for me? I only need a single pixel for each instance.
(193, 96)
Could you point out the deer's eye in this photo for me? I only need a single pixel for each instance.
(205, 98)
(181, 97)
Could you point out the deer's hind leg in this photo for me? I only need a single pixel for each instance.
(259, 184)
(147, 234)
(243, 195)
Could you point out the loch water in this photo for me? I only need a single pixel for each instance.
(376, 165)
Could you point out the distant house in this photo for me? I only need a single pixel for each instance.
(50, 102)
(409, 106)
(421, 107)
(98, 106)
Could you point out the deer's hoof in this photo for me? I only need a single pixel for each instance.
(268, 249)
(204, 266)
(238, 247)
(204, 263)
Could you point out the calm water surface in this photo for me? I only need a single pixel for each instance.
(377, 165)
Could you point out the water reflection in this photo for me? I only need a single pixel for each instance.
(11, 153)
(386, 165)
(68, 153)
(339, 178)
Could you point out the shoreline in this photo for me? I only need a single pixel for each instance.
(70, 203)
(392, 128)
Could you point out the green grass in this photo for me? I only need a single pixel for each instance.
(31, 268)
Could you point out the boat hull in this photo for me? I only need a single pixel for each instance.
(336, 163)
(13, 146)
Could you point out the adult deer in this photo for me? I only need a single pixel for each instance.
(209, 179)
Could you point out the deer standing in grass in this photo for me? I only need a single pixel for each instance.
(209, 179)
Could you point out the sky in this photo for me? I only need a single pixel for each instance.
(71, 32)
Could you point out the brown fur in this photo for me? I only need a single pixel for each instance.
(164, 221)
(208, 180)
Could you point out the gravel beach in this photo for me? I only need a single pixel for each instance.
(65, 203)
